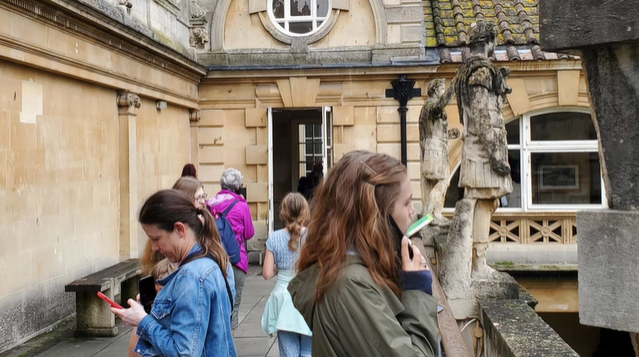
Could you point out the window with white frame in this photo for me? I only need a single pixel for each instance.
(299, 17)
(554, 164)
(310, 147)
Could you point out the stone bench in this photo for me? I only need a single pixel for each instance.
(92, 314)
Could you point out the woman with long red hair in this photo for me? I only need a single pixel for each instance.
(358, 288)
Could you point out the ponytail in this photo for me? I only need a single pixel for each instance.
(294, 212)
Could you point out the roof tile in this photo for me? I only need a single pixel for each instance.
(517, 20)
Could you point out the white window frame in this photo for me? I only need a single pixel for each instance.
(530, 147)
(313, 18)
(527, 147)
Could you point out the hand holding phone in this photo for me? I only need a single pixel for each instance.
(147, 293)
(109, 301)
(398, 235)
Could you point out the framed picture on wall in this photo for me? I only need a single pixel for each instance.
(559, 177)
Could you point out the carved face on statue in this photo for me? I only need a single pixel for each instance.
(482, 35)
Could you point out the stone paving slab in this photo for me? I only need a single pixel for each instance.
(250, 340)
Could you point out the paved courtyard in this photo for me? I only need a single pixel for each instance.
(250, 340)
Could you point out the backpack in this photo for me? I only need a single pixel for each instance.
(226, 233)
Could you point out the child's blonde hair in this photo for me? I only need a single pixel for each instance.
(162, 269)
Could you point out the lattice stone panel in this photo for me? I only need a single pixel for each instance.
(505, 231)
(533, 228)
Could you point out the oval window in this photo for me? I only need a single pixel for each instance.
(299, 17)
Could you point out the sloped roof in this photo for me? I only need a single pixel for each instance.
(447, 22)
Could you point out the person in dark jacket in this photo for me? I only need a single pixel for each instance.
(357, 293)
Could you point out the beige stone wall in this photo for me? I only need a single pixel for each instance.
(59, 191)
(66, 149)
(163, 147)
(233, 133)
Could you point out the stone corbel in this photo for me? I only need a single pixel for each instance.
(198, 37)
(128, 100)
(194, 115)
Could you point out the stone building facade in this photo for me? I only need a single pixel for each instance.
(265, 86)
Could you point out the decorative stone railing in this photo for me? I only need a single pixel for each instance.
(533, 227)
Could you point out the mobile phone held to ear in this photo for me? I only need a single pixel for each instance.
(147, 292)
(109, 301)
(398, 236)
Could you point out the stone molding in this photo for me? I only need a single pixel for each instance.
(259, 6)
(128, 100)
(122, 39)
(298, 42)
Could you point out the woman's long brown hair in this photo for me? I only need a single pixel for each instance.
(350, 212)
(187, 184)
(167, 207)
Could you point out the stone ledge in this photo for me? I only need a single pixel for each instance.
(343, 56)
(501, 266)
(130, 36)
(513, 329)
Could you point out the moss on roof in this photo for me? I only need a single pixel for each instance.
(447, 21)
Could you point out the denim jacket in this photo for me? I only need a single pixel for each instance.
(191, 314)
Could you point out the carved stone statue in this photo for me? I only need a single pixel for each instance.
(199, 38)
(433, 141)
(485, 172)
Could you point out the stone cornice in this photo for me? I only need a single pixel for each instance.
(249, 75)
(81, 20)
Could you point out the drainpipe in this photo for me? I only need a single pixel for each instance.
(403, 91)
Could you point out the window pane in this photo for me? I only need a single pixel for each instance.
(318, 130)
(454, 192)
(512, 131)
(513, 199)
(322, 9)
(300, 27)
(300, 8)
(566, 178)
(562, 126)
(278, 9)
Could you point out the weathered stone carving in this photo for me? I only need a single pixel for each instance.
(198, 37)
(485, 172)
(197, 12)
(125, 3)
(433, 142)
(194, 115)
(127, 99)
(485, 176)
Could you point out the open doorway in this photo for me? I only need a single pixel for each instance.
(300, 152)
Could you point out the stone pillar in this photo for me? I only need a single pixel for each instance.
(606, 36)
(94, 317)
(127, 105)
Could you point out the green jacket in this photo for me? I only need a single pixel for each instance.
(358, 318)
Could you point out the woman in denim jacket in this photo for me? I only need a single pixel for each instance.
(191, 314)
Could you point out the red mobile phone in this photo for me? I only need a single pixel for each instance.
(111, 302)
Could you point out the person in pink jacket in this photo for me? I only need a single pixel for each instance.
(239, 216)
